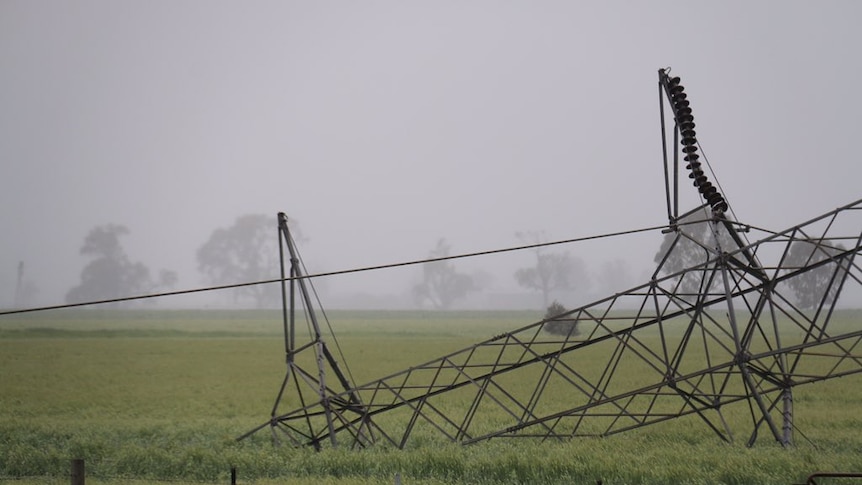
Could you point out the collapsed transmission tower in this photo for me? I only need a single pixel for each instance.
(723, 323)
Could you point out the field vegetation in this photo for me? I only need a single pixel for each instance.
(150, 396)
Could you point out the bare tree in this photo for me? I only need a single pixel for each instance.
(442, 285)
(552, 271)
(245, 252)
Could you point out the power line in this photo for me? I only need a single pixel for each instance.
(330, 273)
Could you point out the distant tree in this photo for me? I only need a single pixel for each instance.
(613, 276)
(558, 325)
(818, 284)
(442, 285)
(552, 271)
(245, 252)
(692, 245)
(110, 274)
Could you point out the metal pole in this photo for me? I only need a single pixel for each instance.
(296, 273)
(671, 215)
(287, 341)
(78, 471)
(787, 411)
(741, 348)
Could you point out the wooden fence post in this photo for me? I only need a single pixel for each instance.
(233, 475)
(78, 471)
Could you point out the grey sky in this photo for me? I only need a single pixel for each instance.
(383, 126)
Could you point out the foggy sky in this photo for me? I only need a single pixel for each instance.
(383, 126)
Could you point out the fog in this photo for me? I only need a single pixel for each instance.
(384, 126)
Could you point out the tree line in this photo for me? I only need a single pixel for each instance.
(247, 251)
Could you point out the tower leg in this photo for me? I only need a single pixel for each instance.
(787, 413)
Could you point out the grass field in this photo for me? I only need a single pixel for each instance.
(155, 396)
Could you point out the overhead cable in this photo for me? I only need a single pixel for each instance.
(330, 273)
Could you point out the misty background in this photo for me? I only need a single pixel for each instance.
(382, 127)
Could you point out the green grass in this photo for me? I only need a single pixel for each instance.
(151, 396)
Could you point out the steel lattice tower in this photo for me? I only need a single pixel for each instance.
(722, 322)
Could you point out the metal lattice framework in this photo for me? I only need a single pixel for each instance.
(722, 323)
